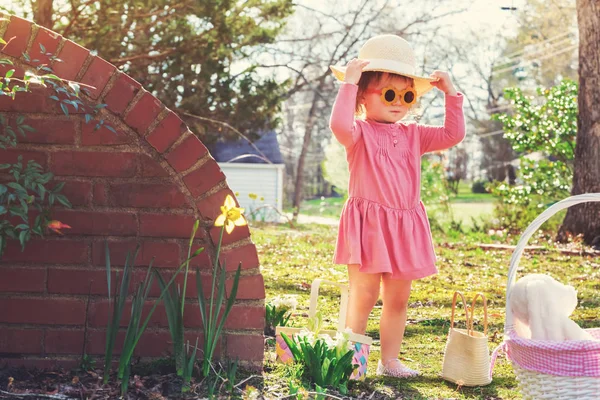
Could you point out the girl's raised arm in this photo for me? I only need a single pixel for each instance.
(436, 138)
(342, 122)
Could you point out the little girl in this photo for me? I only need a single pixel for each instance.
(384, 235)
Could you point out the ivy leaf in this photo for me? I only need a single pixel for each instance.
(51, 76)
(22, 239)
(63, 200)
(65, 109)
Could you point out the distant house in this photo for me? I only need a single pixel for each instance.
(256, 176)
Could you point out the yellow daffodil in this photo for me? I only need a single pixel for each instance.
(231, 216)
(253, 196)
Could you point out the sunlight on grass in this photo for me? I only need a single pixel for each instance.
(292, 258)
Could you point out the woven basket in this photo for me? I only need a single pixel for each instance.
(467, 356)
(547, 369)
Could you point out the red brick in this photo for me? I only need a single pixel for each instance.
(50, 41)
(193, 318)
(144, 113)
(72, 58)
(166, 132)
(11, 156)
(210, 207)
(97, 341)
(100, 196)
(241, 316)
(47, 252)
(97, 75)
(18, 341)
(90, 163)
(245, 254)
(62, 341)
(17, 35)
(239, 233)
(159, 343)
(149, 168)
(153, 343)
(153, 195)
(102, 136)
(191, 291)
(204, 178)
(77, 281)
(120, 95)
(161, 225)
(42, 311)
(49, 131)
(250, 287)
(186, 154)
(246, 317)
(165, 254)
(99, 313)
(22, 279)
(43, 363)
(97, 223)
(77, 192)
(245, 347)
(205, 258)
(35, 101)
(18, 74)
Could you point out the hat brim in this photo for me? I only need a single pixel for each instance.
(422, 83)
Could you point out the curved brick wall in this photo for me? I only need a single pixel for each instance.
(147, 184)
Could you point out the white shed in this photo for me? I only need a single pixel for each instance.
(263, 180)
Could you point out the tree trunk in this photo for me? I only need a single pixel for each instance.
(585, 219)
(42, 13)
(308, 128)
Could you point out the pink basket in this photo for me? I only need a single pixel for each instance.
(548, 369)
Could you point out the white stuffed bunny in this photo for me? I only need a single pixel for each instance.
(541, 307)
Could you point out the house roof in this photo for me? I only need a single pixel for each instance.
(242, 152)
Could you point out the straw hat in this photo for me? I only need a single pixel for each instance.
(389, 53)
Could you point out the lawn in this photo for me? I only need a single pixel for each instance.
(292, 258)
(465, 206)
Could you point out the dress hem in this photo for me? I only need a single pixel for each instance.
(412, 274)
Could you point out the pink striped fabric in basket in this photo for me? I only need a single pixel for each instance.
(568, 358)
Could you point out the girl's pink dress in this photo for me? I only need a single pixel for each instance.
(384, 226)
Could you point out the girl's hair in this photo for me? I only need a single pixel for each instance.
(365, 81)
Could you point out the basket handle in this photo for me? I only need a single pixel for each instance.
(456, 294)
(518, 252)
(485, 313)
(314, 294)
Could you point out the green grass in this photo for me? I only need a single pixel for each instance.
(466, 196)
(291, 259)
(326, 207)
(465, 206)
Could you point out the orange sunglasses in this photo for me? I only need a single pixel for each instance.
(389, 95)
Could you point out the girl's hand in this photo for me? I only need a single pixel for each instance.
(354, 70)
(444, 83)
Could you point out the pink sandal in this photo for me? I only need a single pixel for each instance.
(396, 369)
